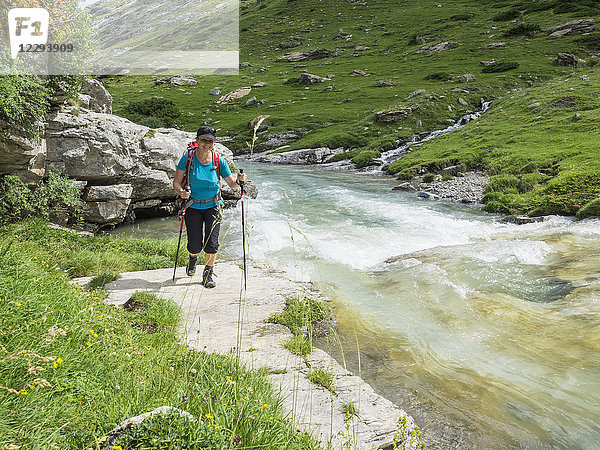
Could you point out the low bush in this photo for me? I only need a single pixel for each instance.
(500, 66)
(428, 177)
(154, 112)
(507, 15)
(56, 195)
(439, 76)
(590, 209)
(523, 29)
(365, 157)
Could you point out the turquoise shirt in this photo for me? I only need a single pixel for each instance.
(203, 180)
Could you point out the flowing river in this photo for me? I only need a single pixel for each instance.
(487, 333)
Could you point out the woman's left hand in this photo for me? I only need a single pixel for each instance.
(241, 177)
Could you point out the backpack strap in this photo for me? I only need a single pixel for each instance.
(217, 164)
(192, 146)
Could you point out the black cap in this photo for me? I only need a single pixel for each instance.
(205, 132)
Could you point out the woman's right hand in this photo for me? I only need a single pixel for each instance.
(185, 194)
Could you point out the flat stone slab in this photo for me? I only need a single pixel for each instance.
(210, 323)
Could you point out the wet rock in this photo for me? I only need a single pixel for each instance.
(428, 195)
(520, 220)
(406, 187)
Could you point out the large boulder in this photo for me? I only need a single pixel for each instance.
(107, 150)
(95, 97)
(306, 56)
(571, 28)
(436, 48)
(20, 154)
(301, 157)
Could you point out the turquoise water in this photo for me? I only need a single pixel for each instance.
(487, 333)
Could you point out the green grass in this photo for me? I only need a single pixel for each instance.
(506, 139)
(322, 378)
(72, 368)
(539, 145)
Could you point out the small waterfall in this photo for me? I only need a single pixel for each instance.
(390, 156)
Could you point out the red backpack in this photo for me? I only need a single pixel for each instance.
(192, 146)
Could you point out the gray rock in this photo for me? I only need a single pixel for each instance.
(356, 72)
(306, 56)
(309, 78)
(251, 101)
(21, 155)
(182, 81)
(215, 91)
(428, 195)
(415, 93)
(496, 44)
(289, 44)
(112, 192)
(129, 424)
(436, 48)
(259, 84)
(393, 115)
(276, 140)
(406, 187)
(571, 28)
(466, 78)
(566, 59)
(107, 212)
(520, 220)
(100, 99)
(462, 101)
(301, 157)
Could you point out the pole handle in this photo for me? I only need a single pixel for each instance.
(241, 183)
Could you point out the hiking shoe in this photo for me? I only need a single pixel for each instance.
(191, 266)
(207, 280)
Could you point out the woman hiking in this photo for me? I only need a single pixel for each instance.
(197, 178)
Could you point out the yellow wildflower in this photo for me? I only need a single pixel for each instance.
(23, 392)
(266, 406)
(208, 415)
(59, 360)
(89, 344)
(18, 303)
(54, 364)
(117, 447)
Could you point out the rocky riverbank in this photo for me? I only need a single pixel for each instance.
(468, 187)
(211, 324)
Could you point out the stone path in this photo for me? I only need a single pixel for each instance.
(210, 323)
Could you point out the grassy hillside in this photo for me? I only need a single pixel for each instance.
(383, 39)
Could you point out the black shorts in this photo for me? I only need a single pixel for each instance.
(203, 226)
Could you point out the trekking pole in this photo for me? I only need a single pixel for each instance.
(243, 228)
(179, 242)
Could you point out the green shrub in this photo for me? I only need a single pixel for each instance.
(54, 196)
(24, 101)
(322, 378)
(591, 41)
(365, 157)
(151, 110)
(507, 15)
(300, 312)
(103, 278)
(506, 183)
(500, 66)
(428, 177)
(405, 176)
(439, 76)
(447, 177)
(590, 209)
(173, 430)
(523, 29)
(299, 345)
